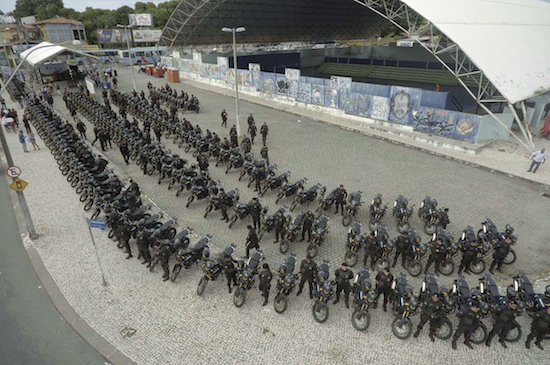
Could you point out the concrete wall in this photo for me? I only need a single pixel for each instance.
(490, 129)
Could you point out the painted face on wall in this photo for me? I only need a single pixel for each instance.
(401, 104)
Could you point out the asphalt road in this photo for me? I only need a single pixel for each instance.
(32, 331)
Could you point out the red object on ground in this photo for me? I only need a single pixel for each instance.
(158, 72)
(545, 131)
(173, 75)
(149, 70)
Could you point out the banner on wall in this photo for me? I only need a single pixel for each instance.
(244, 78)
(141, 20)
(331, 97)
(283, 85)
(255, 75)
(292, 74)
(183, 65)
(403, 101)
(293, 88)
(268, 83)
(222, 67)
(317, 95)
(113, 35)
(146, 35)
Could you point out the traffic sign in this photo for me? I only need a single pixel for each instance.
(19, 185)
(13, 171)
(97, 223)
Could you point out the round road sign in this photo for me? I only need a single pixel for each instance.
(13, 171)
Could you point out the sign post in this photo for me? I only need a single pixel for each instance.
(96, 223)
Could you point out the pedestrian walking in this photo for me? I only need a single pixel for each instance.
(115, 71)
(81, 128)
(22, 141)
(3, 103)
(115, 82)
(224, 118)
(264, 130)
(26, 124)
(251, 240)
(537, 158)
(32, 140)
(264, 152)
(265, 278)
(252, 131)
(125, 152)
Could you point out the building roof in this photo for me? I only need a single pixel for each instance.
(44, 51)
(506, 39)
(59, 20)
(269, 21)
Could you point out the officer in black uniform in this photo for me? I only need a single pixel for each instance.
(502, 248)
(343, 276)
(264, 153)
(223, 205)
(123, 235)
(251, 240)
(230, 271)
(143, 242)
(265, 277)
(340, 196)
(278, 225)
(469, 320)
(255, 210)
(384, 280)
(437, 250)
(224, 118)
(504, 315)
(432, 310)
(307, 222)
(444, 219)
(469, 253)
(402, 246)
(308, 271)
(540, 327)
(264, 130)
(370, 249)
(164, 256)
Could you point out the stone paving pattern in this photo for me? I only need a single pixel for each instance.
(174, 325)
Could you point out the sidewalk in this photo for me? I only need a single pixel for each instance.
(505, 156)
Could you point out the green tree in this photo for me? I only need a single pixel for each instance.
(69, 13)
(140, 7)
(34, 7)
(47, 12)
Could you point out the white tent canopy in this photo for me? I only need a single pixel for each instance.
(44, 51)
(506, 39)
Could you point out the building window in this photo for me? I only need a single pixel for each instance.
(75, 34)
(81, 32)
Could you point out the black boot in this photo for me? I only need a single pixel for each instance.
(539, 345)
(299, 292)
(454, 344)
(265, 300)
(489, 338)
(467, 343)
(417, 333)
(503, 343)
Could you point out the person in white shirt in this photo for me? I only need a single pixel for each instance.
(537, 158)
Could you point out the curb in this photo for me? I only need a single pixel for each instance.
(80, 326)
(205, 87)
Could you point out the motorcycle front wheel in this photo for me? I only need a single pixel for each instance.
(175, 272)
(346, 219)
(318, 212)
(447, 267)
(445, 330)
(414, 268)
(351, 258)
(373, 225)
(477, 267)
(382, 263)
(360, 321)
(239, 297)
(202, 286)
(312, 250)
(404, 331)
(430, 228)
(510, 258)
(280, 304)
(293, 205)
(320, 314)
(514, 334)
(402, 227)
(284, 245)
(479, 336)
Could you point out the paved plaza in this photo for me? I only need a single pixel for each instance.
(173, 325)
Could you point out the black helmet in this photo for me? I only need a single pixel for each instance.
(509, 229)
(408, 291)
(547, 291)
(512, 294)
(444, 291)
(475, 294)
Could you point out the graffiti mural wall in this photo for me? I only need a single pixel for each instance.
(380, 108)
(317, 95)
(255, 75)
(268, 83)
(403, 101)
(304, 92)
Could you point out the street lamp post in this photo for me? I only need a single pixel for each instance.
(129, 51)
(235, 31)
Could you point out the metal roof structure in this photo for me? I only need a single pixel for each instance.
(44, 51)
(268, 21)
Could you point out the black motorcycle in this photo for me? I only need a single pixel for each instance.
(305, 196)
(291, 232)
(405, 305)
(275, 182)
(325, 202)
(215, 204)
(430, 214)
(212, 268)
(353, 243)
(402, 212)
(351, 208)
(287, 190)
(364, 298)
(285, 283)
(377, 211)
(324, 290)
(246, 277)
(186, 257)
(319, 231)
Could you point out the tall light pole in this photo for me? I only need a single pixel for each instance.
(235, 31)
(4, 46)
(129, 51)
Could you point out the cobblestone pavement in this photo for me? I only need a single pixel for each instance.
(172, 323)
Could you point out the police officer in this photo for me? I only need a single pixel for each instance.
(143, 242)
(230, 271)
(250, 120)
(340, 196)
(259, 176)
(307, 222)
(134, 188)
(444, 219)
(252, 130)
(158, 131)
(264, 153)
(255, 210)
(502, 248)
(370, 249)
(432, 310)
(223, 205)
(164, 256)
(504, 315)
(278, 225)
(469, 321)
(436, 252)
(384, 280)
(265, 277)
(123, 235)
(540, 327)
(343, 276)
(469, 253)
(264, 130)
(224, 118)
(402, 246)
(125, 152)
(251, 240)
(308, 271)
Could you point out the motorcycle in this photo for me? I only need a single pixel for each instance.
(285, 283)
(212, 268)
(291, 231)
(405, 305)
(353, 244)
(533, 302)
(402, 212)
(430, 214)
(413, 262)
(353, 204)
(200, 192)
(288, 190)
(305, 196)
(325, 202)
(463, 297)
(323, 293)
(430, 286)
(319, 231)
(245, 278)
(275, 182)
(267, 221)
(241, 212)
(214, 204)
(377, 211)
(186, 257)
(364, 298)
(384, 248)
